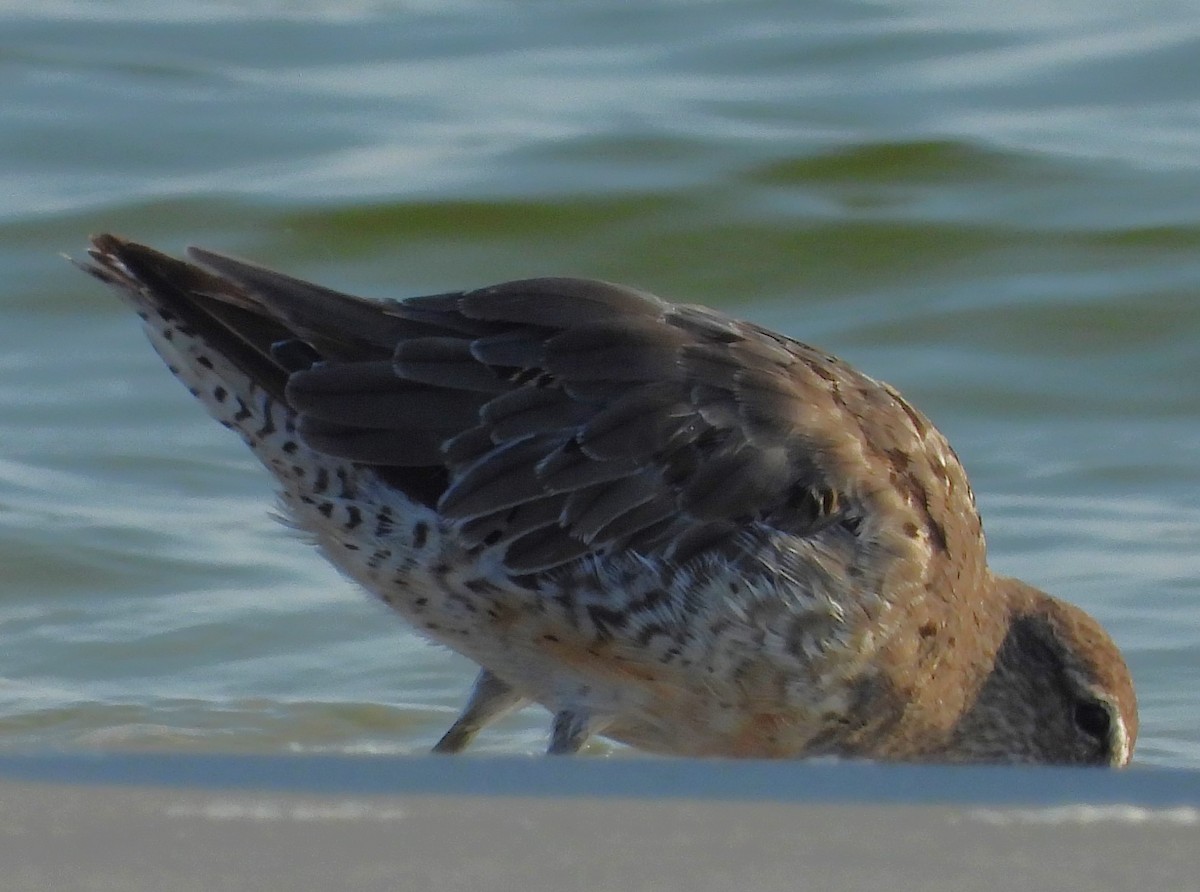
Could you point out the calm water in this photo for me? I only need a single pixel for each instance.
(996, 208)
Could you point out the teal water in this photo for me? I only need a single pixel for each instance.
(996, 209)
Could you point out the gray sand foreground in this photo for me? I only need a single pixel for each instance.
(185, 823)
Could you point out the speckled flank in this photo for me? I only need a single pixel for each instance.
(664, 525)
(374, 535)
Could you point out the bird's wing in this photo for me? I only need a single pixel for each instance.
(555, 418)
(574, 417)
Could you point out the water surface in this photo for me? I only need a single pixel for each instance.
(995, 209)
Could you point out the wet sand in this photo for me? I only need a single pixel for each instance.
(180, 823)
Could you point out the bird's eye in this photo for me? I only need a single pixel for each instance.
(1093, 719)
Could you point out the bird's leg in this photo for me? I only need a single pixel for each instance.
(490, 699)
(571, 730)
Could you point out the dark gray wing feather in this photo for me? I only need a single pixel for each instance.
(569, 417)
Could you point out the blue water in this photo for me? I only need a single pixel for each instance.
(995, 208)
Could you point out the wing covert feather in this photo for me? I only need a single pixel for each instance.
(566, 416)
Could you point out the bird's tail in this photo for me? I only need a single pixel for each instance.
(216, 337)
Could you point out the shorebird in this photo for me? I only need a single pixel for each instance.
(666, 526)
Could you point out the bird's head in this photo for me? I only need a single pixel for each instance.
(1058, 692)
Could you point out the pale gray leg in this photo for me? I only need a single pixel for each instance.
(571, 730)
(490, 699)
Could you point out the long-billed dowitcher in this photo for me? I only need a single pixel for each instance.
(667, 526)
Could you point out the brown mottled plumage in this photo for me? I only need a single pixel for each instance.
(671, 527)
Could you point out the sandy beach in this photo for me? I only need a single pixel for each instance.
(132, 822)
